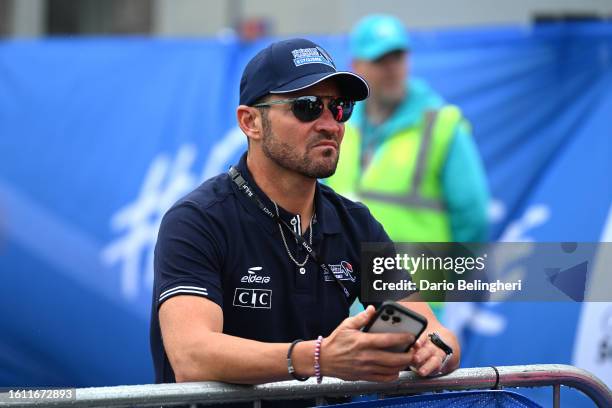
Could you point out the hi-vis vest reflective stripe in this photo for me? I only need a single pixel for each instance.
(401, 184)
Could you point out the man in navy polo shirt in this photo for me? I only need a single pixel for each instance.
(256, 259)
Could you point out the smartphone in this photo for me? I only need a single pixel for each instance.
(391, 317)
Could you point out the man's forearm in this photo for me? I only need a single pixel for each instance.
(220, 357)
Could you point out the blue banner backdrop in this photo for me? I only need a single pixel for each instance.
(99, 136)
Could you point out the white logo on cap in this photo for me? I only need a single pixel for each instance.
(303, 56)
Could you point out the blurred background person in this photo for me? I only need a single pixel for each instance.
(408, 155)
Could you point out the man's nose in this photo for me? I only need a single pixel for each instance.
(326, 123)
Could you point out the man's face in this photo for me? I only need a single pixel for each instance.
(307, 148)
(386, 76)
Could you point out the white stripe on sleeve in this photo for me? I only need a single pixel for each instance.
(183, 289)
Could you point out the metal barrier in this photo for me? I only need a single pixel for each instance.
(207, 393)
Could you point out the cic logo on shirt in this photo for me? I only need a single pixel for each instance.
(253, 298)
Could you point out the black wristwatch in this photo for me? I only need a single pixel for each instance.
(438, 342)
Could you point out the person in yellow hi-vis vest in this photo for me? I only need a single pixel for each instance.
(406, 154)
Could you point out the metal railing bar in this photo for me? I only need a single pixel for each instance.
(215, 393)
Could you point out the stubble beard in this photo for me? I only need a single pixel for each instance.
(286, 156)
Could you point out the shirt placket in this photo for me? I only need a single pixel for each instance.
(304, 275)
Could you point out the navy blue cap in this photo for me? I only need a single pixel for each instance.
(292, 65)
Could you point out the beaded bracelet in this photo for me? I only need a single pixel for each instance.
(317, 358)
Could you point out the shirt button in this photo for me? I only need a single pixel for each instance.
(293, 221)
(302, 271)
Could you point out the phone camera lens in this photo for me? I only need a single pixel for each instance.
(396, 319)
(390, 311)
(384, 317)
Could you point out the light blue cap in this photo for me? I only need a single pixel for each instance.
(377, 34)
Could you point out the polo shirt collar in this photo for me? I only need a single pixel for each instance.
(326, 216)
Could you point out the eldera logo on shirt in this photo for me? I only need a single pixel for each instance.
(253, 277)
(253, 298)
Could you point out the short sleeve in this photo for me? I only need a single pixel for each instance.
(188, 257)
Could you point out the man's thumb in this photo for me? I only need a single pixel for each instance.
(358, 321)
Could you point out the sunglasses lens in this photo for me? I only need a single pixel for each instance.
(307, 108)
(341, 108)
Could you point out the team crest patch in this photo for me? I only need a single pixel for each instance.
(303, 56)
(343, 271)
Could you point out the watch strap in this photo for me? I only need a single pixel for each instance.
(438, 342)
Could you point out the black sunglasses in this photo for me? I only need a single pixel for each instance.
(309, 108)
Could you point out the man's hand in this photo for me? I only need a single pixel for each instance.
(350, 354)
(426, 358)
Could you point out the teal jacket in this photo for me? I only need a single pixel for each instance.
(464, 182)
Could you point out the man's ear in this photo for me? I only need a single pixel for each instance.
(250, 121)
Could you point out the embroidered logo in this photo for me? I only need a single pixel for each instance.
(253, 298)
(303, 56)
(343, 271)
(253, 277)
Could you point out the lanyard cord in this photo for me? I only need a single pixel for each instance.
(246, 189)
